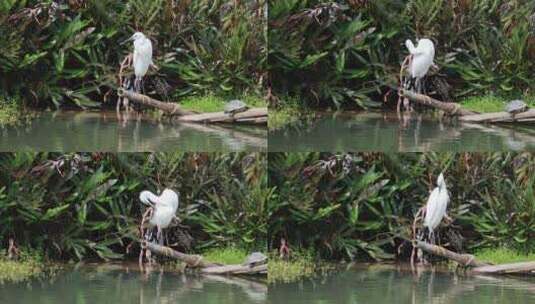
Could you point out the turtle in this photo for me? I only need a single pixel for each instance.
(235, 106)
(255, 259)
(516, 106)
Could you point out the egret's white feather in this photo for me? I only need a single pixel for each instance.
(165, 206)
(142, 54)
(431, 209)
(422, 57)
(436, 205)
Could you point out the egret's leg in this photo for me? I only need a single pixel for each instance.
(160, 236)
(165, 238)
(418, 85)
(142, 85)
(137, 84)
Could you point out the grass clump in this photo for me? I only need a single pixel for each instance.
(10, 111)
(29, 265)
(213, 103)
(228, 255)
(503, 255)
(291, 113)
(491, 103)
(300, 266)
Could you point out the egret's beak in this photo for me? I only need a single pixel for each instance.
(127, 40)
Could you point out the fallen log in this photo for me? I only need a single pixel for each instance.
(197, 261)
(167, 107)
(236, 269)
(527, 116)
(463, 259)
(516, 268)
(448, 107)
(467, 115)
(192, 260)
(252, 116)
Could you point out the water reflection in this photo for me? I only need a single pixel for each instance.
(404, 132)
(398, 285)
(125, 284)
(110, 131)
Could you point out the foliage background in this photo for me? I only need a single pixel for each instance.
(349, 52)
(86, 205)
(362, 206)
(68, 52)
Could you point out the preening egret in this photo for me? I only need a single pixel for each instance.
(142, 57)
(165, 207)
(436, 206)
(422, 59)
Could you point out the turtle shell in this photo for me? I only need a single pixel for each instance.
(255, 258)
(235, 106)
(516, 106)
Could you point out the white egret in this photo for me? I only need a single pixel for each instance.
(142, 57)
(436, 206)
(165, 207)
(422, 59)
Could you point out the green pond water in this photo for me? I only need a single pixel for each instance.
(391, 285)
(107, 131)
(124, 284)
(389, 132)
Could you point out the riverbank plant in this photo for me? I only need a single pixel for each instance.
(27, 265)
(85, 205)
(503, 256)
(301, 265)
(12, 112)
(348, 53)
(490, 103)
(290, 114)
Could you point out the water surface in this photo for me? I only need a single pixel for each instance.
(389, 132)
(380, 284)
(107, 131)
(118, 285)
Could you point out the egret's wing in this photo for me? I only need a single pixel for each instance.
(443, 201)
(431, 208)
(137, 56)
(143, 52)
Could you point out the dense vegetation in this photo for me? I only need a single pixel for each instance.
(349, 52)
(69, 52)
(362, 206)
(83, 205)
